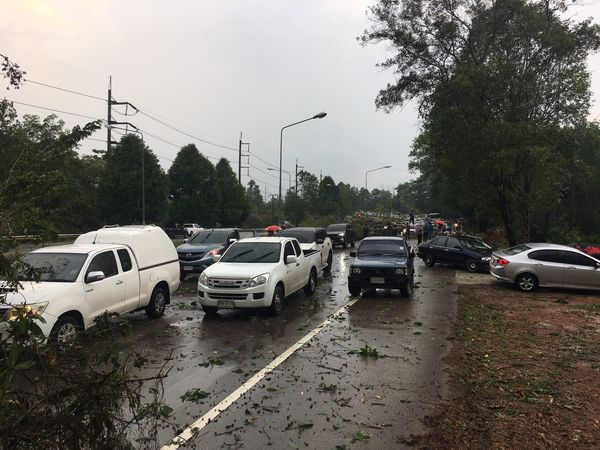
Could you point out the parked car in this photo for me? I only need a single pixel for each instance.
(196, 254)
(176, 231)
(341, 234)
(192, 228)
(531, 265)
(463, 251)
(258, 273)
(113, 270)
(311, 238)
(382, 262)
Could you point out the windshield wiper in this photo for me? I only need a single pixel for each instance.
(261, 257)
(245, 252)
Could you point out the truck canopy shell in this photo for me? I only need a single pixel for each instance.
(150, 244)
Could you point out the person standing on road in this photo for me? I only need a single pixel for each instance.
(407, 231)
(428, 230)
(419, 231)
(411, 217)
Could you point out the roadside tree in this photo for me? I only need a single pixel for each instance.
(233, 208)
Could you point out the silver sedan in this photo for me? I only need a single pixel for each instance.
(546, 265)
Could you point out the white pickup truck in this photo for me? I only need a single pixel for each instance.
(114, 270)
(313, 238)
(258, 273)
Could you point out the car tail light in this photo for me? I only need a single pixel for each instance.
(502, 262)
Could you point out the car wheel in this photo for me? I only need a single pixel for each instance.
(210, 310)
(527, 282)
(407, 289)
(472, 266)
(158, 302)
(65, 330)
(277, 301)
(311, 286)
(354, 289)
(329, 262)
(182, 276)
(428, 260)
(344, 243)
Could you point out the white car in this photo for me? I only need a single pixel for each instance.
(192, 228)
(113, 270)
(312, 238)
(258, 273)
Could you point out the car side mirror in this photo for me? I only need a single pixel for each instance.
(96, 275)
(291, 259)
(216, 258)
(353, 254)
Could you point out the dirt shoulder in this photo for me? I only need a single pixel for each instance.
(524, 369)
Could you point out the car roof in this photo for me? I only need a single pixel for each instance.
(343, 223)
(301, 229)
(543, 245)
(383, 238)
(271, 239)
(75, 248)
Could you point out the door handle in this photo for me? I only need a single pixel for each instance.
(119, 282)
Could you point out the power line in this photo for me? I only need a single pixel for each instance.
(66, 90)
(260, 170)
(54, 110)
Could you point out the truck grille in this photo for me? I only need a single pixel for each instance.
(220, 296)
(226, 283)
(376, 272)
(189, 256)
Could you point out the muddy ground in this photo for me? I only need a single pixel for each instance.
(524, 371)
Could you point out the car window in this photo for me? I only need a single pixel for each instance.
(516, 249)
(475, 244)
(246, 234)
(297, 247)
(336, 227)
(578, 259)
(252, 252)
(382, 247)
(104, 262)
(288, 250)
(452, 243)
(304, 236)
(209, 237)
(125, 259)
(547, 256)
(439, 241)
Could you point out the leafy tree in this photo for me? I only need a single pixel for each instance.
(11, 71)
(233, 207)
(120, 186)
(42, 178)
(254, 196)
(193, 188)
(495, 82)
(329, 197)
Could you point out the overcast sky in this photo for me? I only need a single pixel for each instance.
(218, 68)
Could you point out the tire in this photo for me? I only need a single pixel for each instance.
(329, 262)
(472, 266)
(428, 260)
(354, 289)
(311, 286)
(527, 282)
(65, 330)
(210, 310)
(407, 289)
(182, 276)
(277, 301)
(158, 302)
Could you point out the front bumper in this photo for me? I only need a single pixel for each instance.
(254, 297)
(385, 282)
(196, 266)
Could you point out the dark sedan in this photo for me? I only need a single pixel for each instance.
(341, 234)
(464, 251)
(382, 262)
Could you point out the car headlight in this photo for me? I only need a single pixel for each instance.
(32, 310)
(341, 235)
(203, 279)
(356, 270)
(259, 280)
(214, 251)
(399, 271)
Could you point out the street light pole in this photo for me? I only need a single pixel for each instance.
(373, 170)
(284, 171)
(316, 116)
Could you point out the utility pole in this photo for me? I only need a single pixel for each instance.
(240, 154)
(109, 118)
(297, 167)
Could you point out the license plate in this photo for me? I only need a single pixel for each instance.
(377, 280)
(188, 268)
(225, 304)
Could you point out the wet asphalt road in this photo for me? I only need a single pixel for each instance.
(325, 395)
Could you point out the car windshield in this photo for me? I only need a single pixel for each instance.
(54, 266)
(516, 249)
(210, 237)
(475, 244)
(381, 247)
(189, 225)
(337, 227)
(303, 236)
(253, 252)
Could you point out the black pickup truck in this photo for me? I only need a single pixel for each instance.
(382, 262)
(175, 231)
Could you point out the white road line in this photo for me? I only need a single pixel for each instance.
(195, 427)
